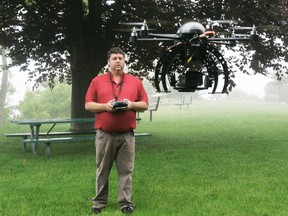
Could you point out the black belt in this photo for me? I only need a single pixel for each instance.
(116, 133)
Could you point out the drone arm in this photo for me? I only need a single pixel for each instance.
(250, 38)
(155, 39)
(227, 43)
(134, 39)
(227, 39)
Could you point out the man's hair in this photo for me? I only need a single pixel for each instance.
(115, 50)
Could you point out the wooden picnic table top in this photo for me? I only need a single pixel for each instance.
(53, 121)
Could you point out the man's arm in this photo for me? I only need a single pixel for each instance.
(139, 106)
(99, 107)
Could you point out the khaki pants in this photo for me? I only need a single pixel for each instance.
(121, 149)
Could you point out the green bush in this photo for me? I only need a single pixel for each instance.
(47, 103)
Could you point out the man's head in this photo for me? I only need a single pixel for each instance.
(116, 60)
(115, 50)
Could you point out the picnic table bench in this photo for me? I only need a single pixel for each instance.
(25, 135)
(185, 100)
(35, 137)
(153, 106)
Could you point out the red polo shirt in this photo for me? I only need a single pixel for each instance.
(101, 91)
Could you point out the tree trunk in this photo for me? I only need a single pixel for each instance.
(4, 85)
(83, 72)
(88, 55)
(81, 77)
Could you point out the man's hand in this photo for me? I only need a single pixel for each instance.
(130, 104)
(109, 106)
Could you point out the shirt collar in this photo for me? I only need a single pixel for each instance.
(113, 80)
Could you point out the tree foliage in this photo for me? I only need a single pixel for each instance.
(46, 103)
(69, 39)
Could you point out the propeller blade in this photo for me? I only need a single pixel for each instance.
(170, 36)
(131, 23)
(224, 21)
(264, 27)
(268, 27)
(224, 33)
(130, 30)
(242, 28)
(122, 30)
(149, 22)
(161, 22)
(241, 35)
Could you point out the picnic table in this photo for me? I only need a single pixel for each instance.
(35, 137)
(35, 124)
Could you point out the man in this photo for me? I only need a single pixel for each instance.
(115, 122)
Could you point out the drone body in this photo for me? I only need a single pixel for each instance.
(193, 62)
(190, 29)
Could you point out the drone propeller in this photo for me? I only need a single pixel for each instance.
(146, 22)
(131, 29)
(223, 21)
(144, 26)
(132, 23)
(242, 28)
(240, 35)
(264, 28)
(170, 36)
(214, 24)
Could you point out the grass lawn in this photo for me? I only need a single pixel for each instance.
(211, 159)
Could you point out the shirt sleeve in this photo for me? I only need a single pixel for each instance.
(142, 93)
(91, 94)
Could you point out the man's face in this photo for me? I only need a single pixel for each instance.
(116, 63)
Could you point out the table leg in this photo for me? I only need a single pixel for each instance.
(48, 152)
(35, 129)
(51, 128)
(24, 144)
(24, 147)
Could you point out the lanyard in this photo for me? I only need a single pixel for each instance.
(121, 84)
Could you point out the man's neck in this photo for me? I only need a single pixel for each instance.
(116, 75)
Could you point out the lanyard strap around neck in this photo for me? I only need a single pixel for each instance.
(121, 84)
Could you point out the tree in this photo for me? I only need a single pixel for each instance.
(46, 103)
(4, 84)
(69, 39)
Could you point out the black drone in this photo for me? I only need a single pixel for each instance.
(193, 62)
